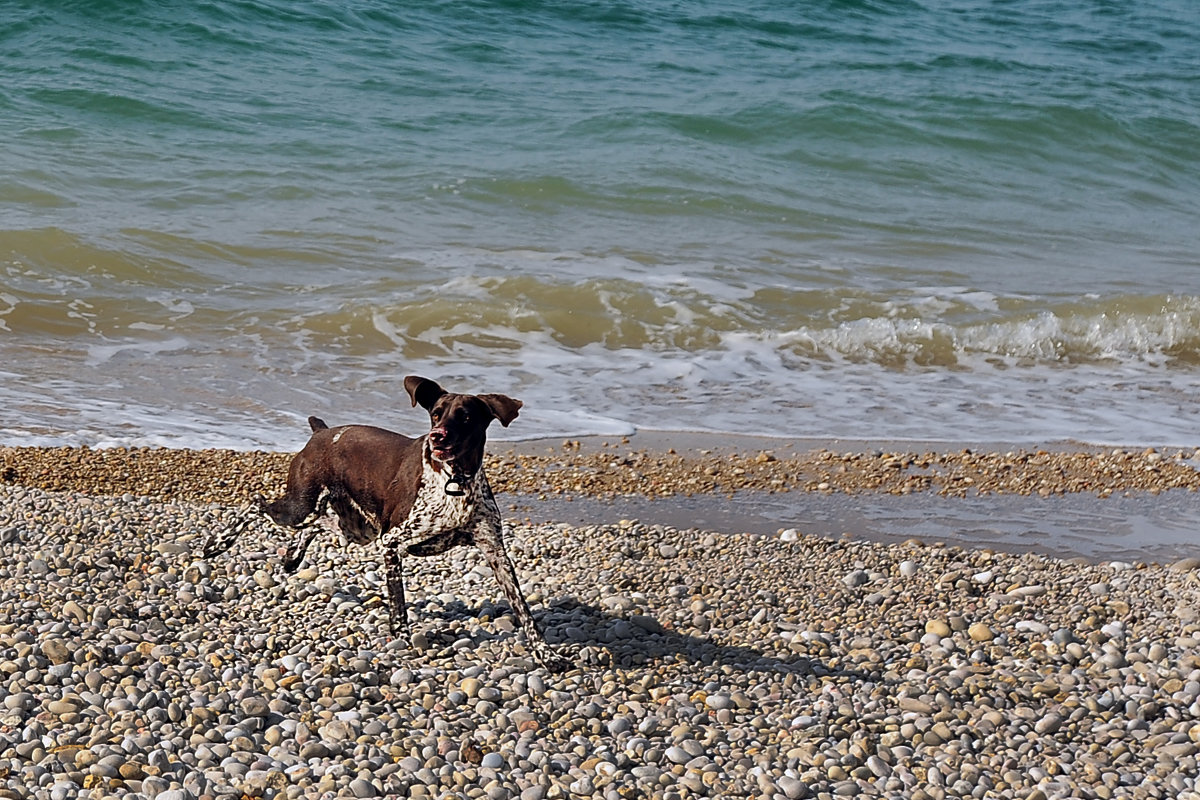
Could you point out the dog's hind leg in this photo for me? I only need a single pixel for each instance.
(304, 492)
(440, 543)
(306, 531)
(222, 540)
(291, 509)
(295, 554)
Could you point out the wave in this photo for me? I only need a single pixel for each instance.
(946, 331)
(1168, 333)
(288, 304)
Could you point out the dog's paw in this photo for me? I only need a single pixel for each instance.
(401, 632)
(291, 561)
(553, 660)
(557, 664)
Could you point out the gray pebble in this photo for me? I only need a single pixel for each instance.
(856, 578)
(363, 788)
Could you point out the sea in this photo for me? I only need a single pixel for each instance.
(904, 220)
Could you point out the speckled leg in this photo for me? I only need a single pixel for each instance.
(436, 545)
(306, 531)
(300, 543)
(222, 540)
(488, 539)
(398, 613)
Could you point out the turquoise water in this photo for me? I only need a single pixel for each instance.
(971, 220)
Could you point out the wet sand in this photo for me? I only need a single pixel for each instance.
(1064, 499)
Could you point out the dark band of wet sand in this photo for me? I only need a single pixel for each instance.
(1063, 499)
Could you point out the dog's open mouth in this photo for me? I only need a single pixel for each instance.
(444, 454)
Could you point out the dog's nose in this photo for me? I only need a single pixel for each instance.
(437, 435)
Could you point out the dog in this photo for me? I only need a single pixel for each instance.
(418, 497)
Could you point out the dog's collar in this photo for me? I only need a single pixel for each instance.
(454, 485)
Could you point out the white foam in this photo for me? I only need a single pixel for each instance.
(747, 388)
(549, 423)
(98, 354)
(178, 307)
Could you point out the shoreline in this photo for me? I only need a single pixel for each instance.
(985, 496)
(656, 464)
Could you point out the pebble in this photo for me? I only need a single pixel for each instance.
(914, 704)
(1048, 724)
(677, 755)
(858, 577)
(792, 788)
(140, 668)
(938, 627)
(360, 787)
(980, 632)
(719, 701)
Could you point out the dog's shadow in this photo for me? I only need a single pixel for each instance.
(597, 638)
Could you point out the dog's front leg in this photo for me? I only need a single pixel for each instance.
(397, 612)
(490, 542)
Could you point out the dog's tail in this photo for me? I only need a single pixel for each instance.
(317, 424)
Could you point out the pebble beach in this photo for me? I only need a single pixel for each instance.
(706, 663)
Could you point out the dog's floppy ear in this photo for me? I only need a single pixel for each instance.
(423, 391)
(503, 407)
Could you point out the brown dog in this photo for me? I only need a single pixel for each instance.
(417, 496)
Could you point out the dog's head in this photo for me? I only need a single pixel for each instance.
(458, 423)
